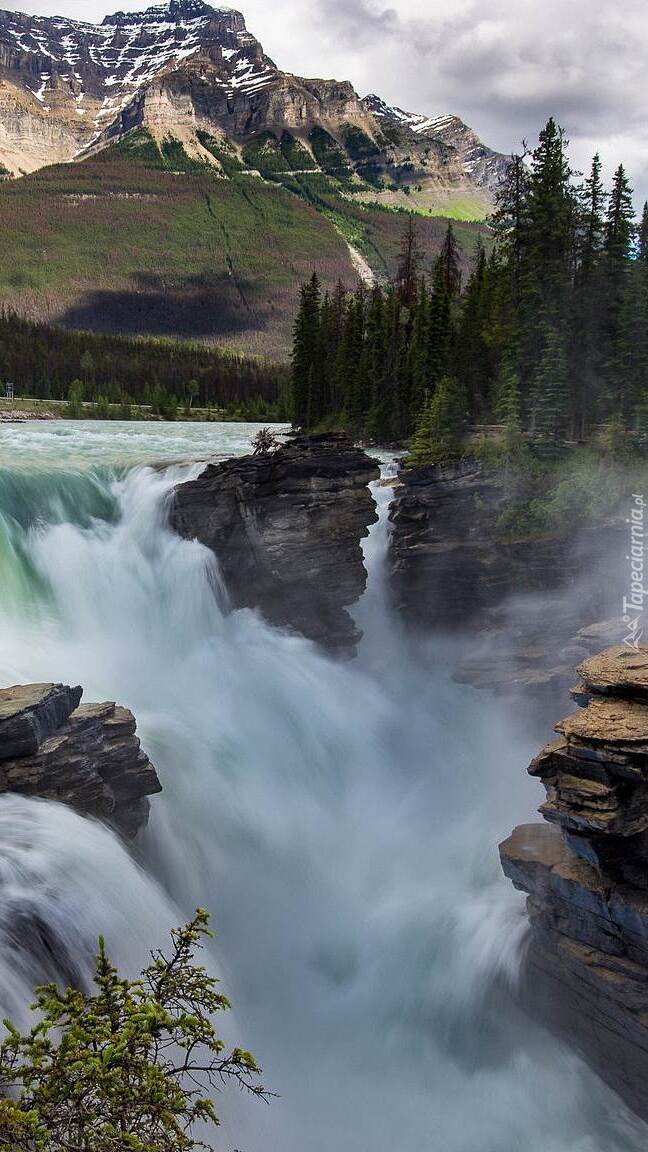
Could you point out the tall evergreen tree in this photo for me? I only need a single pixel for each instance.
(473, 359)
(550, 394)
(450, 263)
(642, 236)
(306, 348)
(618, 249)
(409, 266)
(588, 304)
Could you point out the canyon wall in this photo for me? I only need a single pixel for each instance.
(532, 604)
(586, 874)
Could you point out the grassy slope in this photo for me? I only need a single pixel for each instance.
(116, 246)
(126, 242)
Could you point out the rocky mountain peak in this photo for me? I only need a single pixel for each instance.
(186, 70)
(174, 11)
(481, 165)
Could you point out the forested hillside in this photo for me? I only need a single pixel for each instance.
(143, 240)
(548, 334)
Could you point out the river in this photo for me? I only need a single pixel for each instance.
(339, 820)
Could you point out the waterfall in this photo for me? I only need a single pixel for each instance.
(339, 820)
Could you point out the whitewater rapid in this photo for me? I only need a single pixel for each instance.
(340, 821)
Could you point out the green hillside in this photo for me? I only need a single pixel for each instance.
(144, 241)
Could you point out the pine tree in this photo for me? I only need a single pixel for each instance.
(642, 236)
(551, 395)
(305, 350)
(439, 329)
(619, 237)
(473, 358)
(409, 265)
(437, 439)
(510, 220)
(352, 380)
(450, 263)
(588, 305)
(507, 405)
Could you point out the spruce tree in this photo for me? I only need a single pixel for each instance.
(437, 439)
(551, 395)
(618, 251)
(589, 303)
(439, 337)
(450, 263)
(642, 236)
(306, 348)
(473, 358)
(409, 265)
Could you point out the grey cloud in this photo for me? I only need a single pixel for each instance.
(503, 65)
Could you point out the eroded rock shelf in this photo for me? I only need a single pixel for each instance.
(85, 755)
(586, 874)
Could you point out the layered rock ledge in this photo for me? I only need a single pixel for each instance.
(586, 874)
(85, 755)
(286, 529)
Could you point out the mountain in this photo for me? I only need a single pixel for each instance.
(468, 159)
(184, 69)
(206, 183)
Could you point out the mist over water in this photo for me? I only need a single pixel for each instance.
(340, 821)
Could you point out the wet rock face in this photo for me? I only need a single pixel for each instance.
(84, 755)
(526, 605)
(286, 529)
(586, 873)
(449, 566)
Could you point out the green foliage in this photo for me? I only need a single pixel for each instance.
(551, 395)
(131, 1068)
(75, 400)
(369, 358)
(264, 154)
(328, 153)
(222, 151)
(359, 146)
(438, 439)
(296, 155)
(51, 363)
(265, 443)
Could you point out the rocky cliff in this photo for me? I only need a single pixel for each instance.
(84, 755)
(586, 874)
(286, 528)
(452, 569)
(186, 70)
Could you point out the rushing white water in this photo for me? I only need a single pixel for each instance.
(339, 820)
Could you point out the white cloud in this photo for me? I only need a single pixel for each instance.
(504, 66)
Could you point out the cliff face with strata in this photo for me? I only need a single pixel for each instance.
(184, 67)
(84, 755)
(586, 874)
(286, 529)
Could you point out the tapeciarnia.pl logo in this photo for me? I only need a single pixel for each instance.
(633, 605)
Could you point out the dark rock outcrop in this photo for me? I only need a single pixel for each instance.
(286, 530)
(452, 569)
(450, 566)
(84, 755)
(586, 874)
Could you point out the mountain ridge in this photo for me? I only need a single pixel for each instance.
(69, 88)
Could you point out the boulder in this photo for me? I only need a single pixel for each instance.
(85, 755)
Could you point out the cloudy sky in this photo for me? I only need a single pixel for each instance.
(503, 65)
